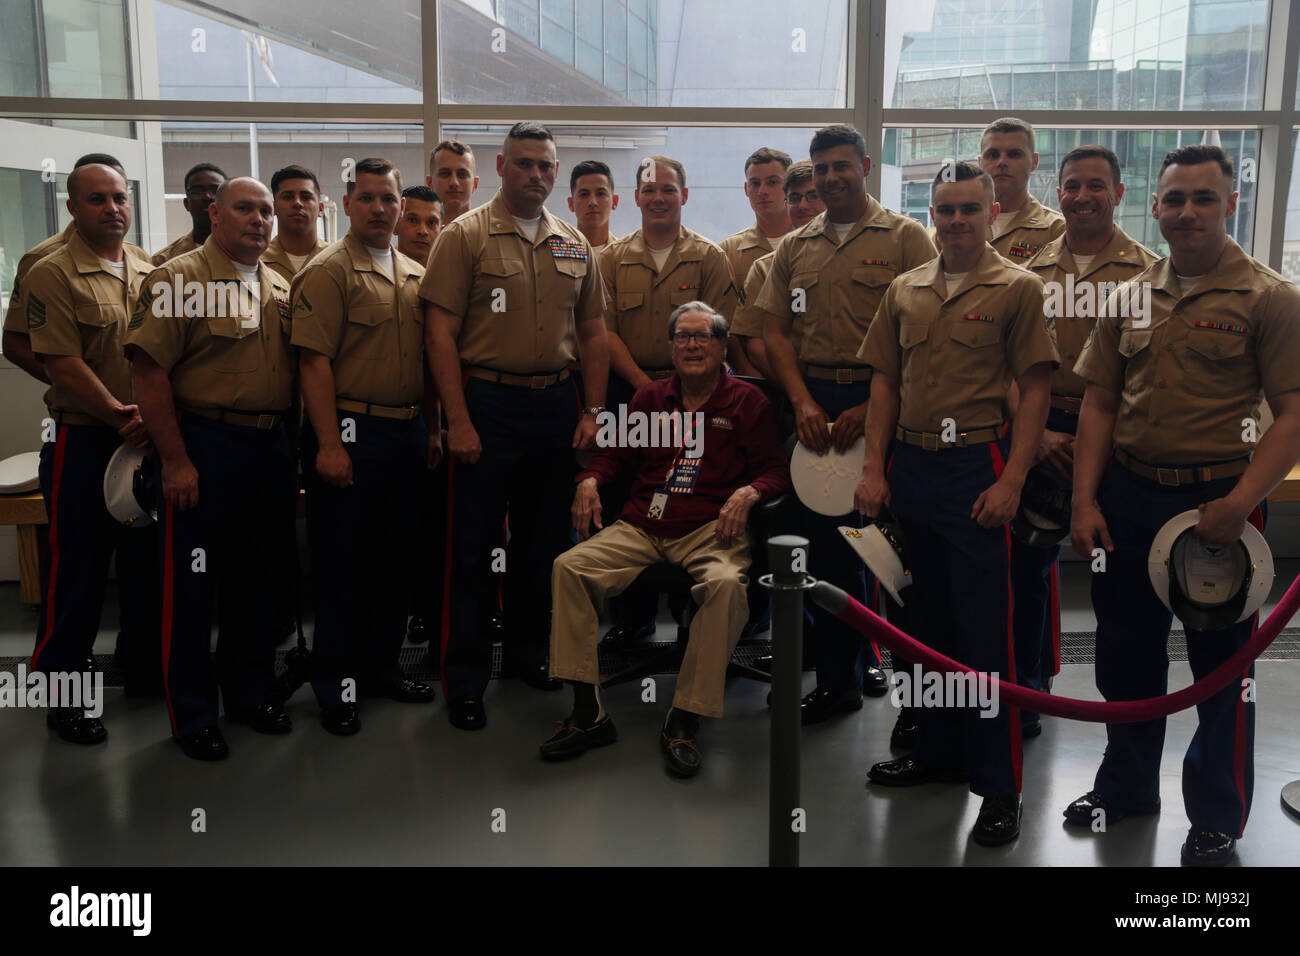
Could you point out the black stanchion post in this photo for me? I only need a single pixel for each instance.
(788, 559)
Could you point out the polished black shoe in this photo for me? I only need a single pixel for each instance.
(75, 727)
(342, 721)
(820, 705)
(205, 744)
(407, 691)
(1083, 812)
(875, 683)
(417, 631)
(903, 736)
(1206, 847)
(1031, 729)
(998, 821)
(264, 718)
(624, 635)
(569, 741)
(906, 772)
(678, 741)
(539, 676)
(467, 713)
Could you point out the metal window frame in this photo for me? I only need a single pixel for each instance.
(864, 109)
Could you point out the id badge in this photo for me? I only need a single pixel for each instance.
(658, 501)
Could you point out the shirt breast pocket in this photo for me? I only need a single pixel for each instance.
(1218, 364)
(977, 357)
(503, 281)
(570, 274)
(367, 330)
(98, 325)
(232, 347)
(911, 335)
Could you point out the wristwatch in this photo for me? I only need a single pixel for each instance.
(593, 410)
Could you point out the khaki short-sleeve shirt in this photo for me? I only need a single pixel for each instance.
(519, 300)
(955, 355)
(1074, 298)
(222, 346)
(742, 250)
(76, 306)
(181, 246)
(639, 297)
(1034, 227)
(371, 327)
(1189, 378)
(749, 317)
(278, 259)
(831, 289)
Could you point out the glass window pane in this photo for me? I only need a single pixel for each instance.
(19, 63)
(557, 40)
(728, 53)
(913, 157)
(85, 48)
(1103, 55)
(24, 221)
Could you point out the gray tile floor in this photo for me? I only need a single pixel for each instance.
(412, 790)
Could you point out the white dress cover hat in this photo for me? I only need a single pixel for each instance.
(129, 487)
(1209, 588)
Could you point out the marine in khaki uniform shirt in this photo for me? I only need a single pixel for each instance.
(214, 379)
(743, 249)
(765, 172)
(946, 344)
(201, 184)
(1007, 155)
(296, 193)
(280, 262)
(1168, 426)
(1032, 228)
(177, 247)
(358, 325)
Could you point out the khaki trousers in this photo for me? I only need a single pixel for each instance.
(606, 564)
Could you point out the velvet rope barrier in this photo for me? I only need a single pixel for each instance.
(844, 607)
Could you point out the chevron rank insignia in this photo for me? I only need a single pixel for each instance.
(35, 312)
(566, 248)
(302, 304)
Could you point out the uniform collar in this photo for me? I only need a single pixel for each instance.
(755, 238)
(222, 268)
(683, 250)
(362, 261)
(876, 216)
(1122, 249)
(989, 269)
(275, 251)
(501, 222)
(87, 261)
(1032, 215)
(1233, 272)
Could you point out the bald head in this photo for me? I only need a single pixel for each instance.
(241, 214)
(100, 206)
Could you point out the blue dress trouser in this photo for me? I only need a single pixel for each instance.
(227, 549)
(960, 604)
(840, 652)
(1133, 663)
(362, 545)
(1034, 577)
(83, 537)
(526, 469)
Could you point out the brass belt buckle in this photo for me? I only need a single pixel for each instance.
(265, 421)
(844, 376)
(539, 381)
(929, 441)
(1173, 479)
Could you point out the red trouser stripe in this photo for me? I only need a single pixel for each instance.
(1054, 609)
(1017, 763)
(60, 446)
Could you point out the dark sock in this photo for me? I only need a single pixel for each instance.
(682, 724)
(586, 707)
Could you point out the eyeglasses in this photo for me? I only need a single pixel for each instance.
(684, 338)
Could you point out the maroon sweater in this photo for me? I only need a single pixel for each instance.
(741, 446)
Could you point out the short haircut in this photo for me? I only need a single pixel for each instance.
(202, 168)
(100, 159)
(224, 188)
(1090, 151)
(717, 322)
(452, 146)
(766, 155)
(658, 160)
(1010, 124)
(959, 172)
(1194, 156)
(293, 171)
(798, 174)
(75, 175)
(422, 193)
(375, 166)
(590, 167)
(829, 137)
(527, 130)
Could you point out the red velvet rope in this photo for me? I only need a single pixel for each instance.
(1107, 712)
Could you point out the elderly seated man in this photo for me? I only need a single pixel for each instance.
(703, 449)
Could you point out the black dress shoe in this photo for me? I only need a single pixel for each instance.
(264, 718)
(623, 635)
(1083, 812)
(1031, 729)
(75, 727)
(678, 740)
(906, 772)
(467, 713)
(569, 741)
(820, 705)
(342, 721)
(408, 692)
(903, 736)
(417, 631)
(874, 682)
(205, 744)
(539, 676)
(1206, 847)
(998, 821)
